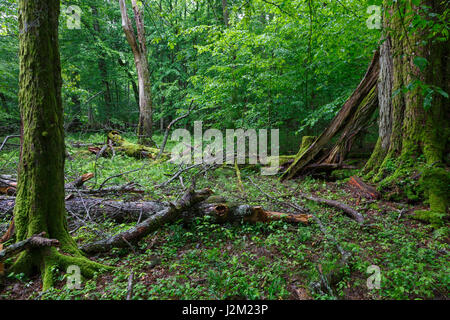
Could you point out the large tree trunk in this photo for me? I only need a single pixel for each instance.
(412, 135)
(139, 48)
(40, 190)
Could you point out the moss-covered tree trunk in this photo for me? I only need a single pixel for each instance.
(40, 191)
(413, 136)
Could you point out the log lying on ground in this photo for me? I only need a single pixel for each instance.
(36, 241)
(192, 206)
(95, 208)
(124, 239)
(222, 212)
(352, 117)
(122, 211)
(116, 143)
(8, 184)
(352, 213)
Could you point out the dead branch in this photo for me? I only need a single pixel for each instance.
(352, 213)
(6, 140)
(35, 241)
(119, 175)
(130, 286)
(171, 124)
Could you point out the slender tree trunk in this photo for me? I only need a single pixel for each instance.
(132, 80)
(139, 48)
(225, 12)
(102, 67)
(40, 191)
(4, 103)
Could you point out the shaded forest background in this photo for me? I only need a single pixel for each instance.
(254, 64)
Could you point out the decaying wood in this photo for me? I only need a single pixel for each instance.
(8, 184)
(340, 122)
(354, 126)
(9, 233)
(364, 189)
(171, 124)
(130, 286)
(352, 213)
(123, 211)
(120, 211)
(123, 239)
(6, 140)
(35, 241)
(78, 182)
(223, 212)
(132, 149)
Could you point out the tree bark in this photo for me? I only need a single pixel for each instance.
(40, 190)
(225, 12)
(362, 102)
(413, 130)
(139, 48)
(411, 136)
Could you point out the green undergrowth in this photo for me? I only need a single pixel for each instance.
(276, 260)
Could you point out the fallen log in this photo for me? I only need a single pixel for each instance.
(188, 210)
(115, 143)
(123, 211)
(8, 184)
(132, 149)
(36, 241)
(95, 208)
(223, 212)
(352, 213)
(124, 239)
(155, 214)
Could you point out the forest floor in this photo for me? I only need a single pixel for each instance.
(274, 260)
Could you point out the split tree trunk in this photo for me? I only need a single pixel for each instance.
(139, 48)
(351, 119)
(413, 131)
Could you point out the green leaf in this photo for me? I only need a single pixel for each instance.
(421, 63)
(441, 92)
